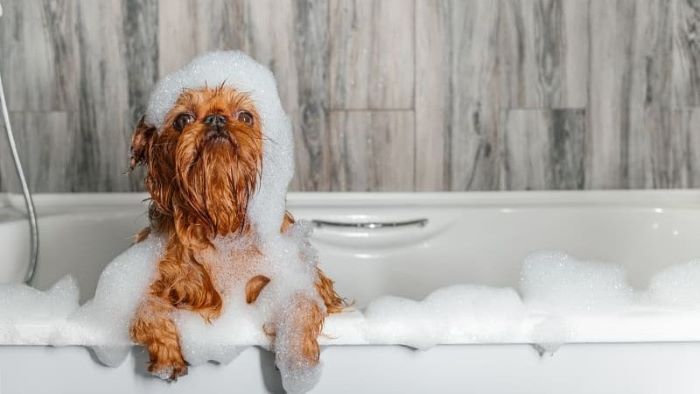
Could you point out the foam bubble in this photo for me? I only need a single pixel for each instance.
(678, 285)
(550, 334)
(30, 315)
(104, 321)
(20, 303)
(557, 282)
(222, 339)
(448, 315)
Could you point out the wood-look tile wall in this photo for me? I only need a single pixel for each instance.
(422, 95)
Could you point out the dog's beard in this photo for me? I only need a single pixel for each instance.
(216, 179)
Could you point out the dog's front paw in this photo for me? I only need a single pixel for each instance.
(168, 371)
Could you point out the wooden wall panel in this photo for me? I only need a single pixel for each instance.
(424, 95)
(371, 54)
(544, 149)
(368, 150)
(544, 53)
(291, 37)
(686, 52)
(629, 88)
(457, 95)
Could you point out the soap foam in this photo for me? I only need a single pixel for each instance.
(30, 315)
(559, 283)
(550, 334)
(564, 300)
(478, 313)
(561, 288)
(678, 285)
(104, 321)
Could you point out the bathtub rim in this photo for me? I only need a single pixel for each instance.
(612, 327)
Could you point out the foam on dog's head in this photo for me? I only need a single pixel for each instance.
(239, 71)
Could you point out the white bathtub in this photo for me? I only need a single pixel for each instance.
(469, 238)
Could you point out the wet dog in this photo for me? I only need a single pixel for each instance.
(203, 166)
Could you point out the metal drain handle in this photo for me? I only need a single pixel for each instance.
(370, 225)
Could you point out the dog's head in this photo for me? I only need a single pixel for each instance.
(203, 164)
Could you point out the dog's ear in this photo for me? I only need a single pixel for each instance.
(140, 141)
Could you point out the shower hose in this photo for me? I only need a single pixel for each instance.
(28, 202)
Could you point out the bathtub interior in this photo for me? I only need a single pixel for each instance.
(475, 238)
(481, 238)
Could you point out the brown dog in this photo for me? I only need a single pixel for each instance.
(203, 166)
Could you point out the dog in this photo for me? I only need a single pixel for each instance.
(203, 166)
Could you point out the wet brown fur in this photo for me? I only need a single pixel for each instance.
(254, 286)
(200, 188)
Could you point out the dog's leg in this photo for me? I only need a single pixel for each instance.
(299, 330)
(311, 322)
(154, 328)
(182, 284)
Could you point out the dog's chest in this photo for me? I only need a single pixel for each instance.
(231, 266)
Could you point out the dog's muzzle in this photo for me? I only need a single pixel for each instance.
(216, 123)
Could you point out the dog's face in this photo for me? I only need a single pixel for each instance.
(204, 164)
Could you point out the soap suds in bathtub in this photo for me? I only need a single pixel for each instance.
(23, 308)
(556, 289)
(560, 287)
(550, 334)
(448, 315)
(559, 297)
(559, 283)
(104, 321)
(677, 286)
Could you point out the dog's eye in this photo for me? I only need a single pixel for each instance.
(182, 120)
(245, 117)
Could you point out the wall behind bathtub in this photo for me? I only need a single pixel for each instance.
(422, 95)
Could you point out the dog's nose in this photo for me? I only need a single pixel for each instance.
(215, 120)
